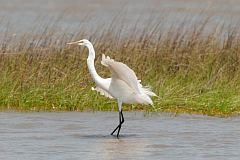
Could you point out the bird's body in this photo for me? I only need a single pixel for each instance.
(123, 84)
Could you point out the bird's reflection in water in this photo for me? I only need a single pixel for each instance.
(127, 146)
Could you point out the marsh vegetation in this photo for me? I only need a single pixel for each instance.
(193, 67)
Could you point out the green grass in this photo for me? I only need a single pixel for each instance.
(192, 71)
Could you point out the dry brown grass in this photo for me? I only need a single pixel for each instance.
(193, 68)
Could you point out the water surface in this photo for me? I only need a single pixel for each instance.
(74, 135)
(27, 15)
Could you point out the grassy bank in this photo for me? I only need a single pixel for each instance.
(191, 69)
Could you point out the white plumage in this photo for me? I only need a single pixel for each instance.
(123, 84)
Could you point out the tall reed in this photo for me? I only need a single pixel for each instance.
(194, 68)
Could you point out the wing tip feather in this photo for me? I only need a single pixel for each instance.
(105, 60)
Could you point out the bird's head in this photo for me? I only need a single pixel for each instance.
(83, 42)
(86, 43)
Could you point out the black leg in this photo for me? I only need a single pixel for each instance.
(122, 117)
(115, 130)
(117, 126)
(120, 123)
(121, 120)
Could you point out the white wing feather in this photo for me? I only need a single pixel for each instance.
(123, 72)
(146, 89)
(102, 92)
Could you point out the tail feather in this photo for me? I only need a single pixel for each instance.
(148, 100)
(147, 91)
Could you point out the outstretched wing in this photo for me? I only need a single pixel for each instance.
(102, 92)
(122, 71)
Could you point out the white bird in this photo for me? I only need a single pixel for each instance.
(123, 84)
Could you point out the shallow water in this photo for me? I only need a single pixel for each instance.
(75, 135)
(27, 15)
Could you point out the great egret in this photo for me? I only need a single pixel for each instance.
(123, 84)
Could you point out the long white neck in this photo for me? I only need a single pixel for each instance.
(90, 62)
